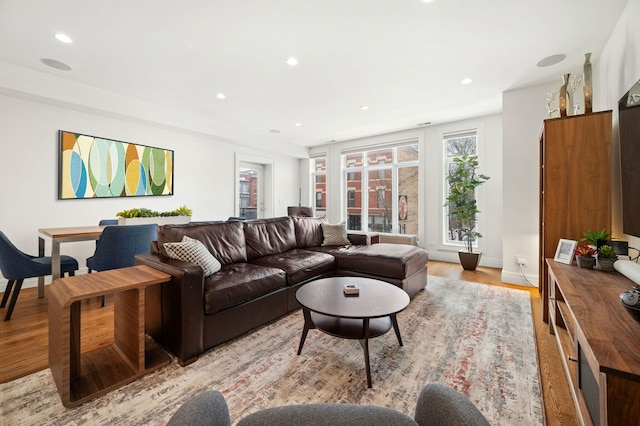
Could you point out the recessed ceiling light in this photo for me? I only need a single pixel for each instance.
(551, 60)
(363, 107)
(466, 81)
(298, 124)
(292, 61)
(221, 96)
(63, 38)
(56, 64)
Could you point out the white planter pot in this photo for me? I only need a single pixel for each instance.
(160, 220)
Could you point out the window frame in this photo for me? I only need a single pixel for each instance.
(379, 168)
(320, 209)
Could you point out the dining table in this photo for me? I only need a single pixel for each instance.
(58, 236)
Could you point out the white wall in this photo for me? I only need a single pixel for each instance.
(523, 111)
(204, 174)
(615, 70)
(431, 144)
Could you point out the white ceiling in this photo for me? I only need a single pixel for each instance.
(404, 59)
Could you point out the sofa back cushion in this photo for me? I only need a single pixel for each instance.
(225, 240)
(308, 231)
(265, 237)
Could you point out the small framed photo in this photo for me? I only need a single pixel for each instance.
(564, 252)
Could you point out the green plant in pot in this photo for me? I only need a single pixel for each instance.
(585, 256)
(137, 216)
(144, 212)
(606, 257)
(596, 238)
(463, 181)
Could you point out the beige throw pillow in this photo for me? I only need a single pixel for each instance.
(335, 235)
(193, 251)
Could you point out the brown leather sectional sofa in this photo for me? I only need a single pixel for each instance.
(264, 262)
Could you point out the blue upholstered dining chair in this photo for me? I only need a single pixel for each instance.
(118, 245)
(106, 222)
(16, 266)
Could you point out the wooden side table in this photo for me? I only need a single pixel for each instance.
(82, 376)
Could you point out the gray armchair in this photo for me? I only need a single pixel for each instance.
(437, 405)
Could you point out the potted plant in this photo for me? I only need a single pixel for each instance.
(606, 257)
(584, 256)
(596, 238)
(143, 215)
(463, 180)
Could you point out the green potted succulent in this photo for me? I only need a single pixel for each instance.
(606, 257)
(585, 256)
(143, 215)
(463, 181)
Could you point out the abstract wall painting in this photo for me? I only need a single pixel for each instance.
(93, 167)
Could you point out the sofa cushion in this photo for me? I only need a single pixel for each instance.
(193, 251)
(265, 237)
(299, 264)
(385, 260)
(224, 240)
(238, 283)
(334, 235)
(308, 231)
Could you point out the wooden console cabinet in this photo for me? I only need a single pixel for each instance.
(82, 376)
(575, 183)
(599, 343)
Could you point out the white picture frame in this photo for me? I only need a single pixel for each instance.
(565, 251)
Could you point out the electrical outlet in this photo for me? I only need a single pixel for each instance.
(521, 260)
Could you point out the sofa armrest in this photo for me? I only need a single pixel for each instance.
(182, 306)
(362, 238)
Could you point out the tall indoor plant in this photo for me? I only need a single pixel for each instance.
(464, 179)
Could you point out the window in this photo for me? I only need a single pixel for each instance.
(381, 198)
(248, 202)
(319, 179)
(381, 189)
(382, 172)
(351, 175)
(351, 198)
(244, 192)
(455, 145)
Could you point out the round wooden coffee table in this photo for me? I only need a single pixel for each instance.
(369, 314)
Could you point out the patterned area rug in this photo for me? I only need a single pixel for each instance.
(476, 338)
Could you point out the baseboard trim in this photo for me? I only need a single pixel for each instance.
(516, 278)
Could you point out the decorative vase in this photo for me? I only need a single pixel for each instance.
(587, 88)
(563, 96)
(587, 262)
(606, 264)
(469, 261)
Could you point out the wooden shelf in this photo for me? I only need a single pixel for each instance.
(573, 150)
(81, 376)
(599, 342)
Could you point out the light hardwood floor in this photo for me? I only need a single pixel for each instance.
(24, 339)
